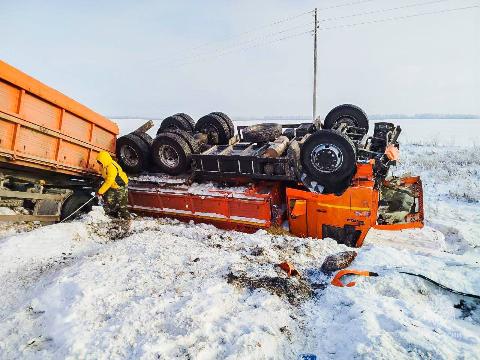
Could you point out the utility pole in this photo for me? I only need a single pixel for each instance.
(315, 66)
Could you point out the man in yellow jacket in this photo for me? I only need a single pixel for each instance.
(114, 189)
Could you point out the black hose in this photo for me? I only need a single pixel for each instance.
(441, 286)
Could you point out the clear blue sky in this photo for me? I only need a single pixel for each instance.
(125, 57)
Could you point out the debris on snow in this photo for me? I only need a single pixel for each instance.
(295, 290)
(288, 268)
(338, 261)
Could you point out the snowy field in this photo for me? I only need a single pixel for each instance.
(91, 289)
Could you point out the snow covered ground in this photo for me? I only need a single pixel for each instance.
(162, 289)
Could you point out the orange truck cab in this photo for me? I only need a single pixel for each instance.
(397, 204)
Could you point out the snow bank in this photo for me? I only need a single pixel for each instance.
(94, 289)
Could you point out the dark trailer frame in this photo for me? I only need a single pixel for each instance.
(244, 159)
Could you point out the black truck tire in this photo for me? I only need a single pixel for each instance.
(214, 123)
(227, 119)
(349, 114)
(189, 139)
(328, 157)
(73, 202)
(175, 122)
(145, 137)
(262, 132)
(133, 153)
(188, 118)
(171, 153)
(338, 185)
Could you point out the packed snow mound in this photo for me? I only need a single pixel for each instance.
(157, 288)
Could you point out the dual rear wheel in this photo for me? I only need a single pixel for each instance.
(177, 138)
(176, 141)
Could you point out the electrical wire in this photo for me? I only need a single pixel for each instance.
(253, 40)
(240, 44)
(375, 21)
(276, 22)
(242, 34)
(249, 47)
(382, 10)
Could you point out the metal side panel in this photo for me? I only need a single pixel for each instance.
(241, 208)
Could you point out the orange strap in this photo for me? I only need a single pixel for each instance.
(337, 279)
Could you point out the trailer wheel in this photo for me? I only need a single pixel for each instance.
(227, 119)
(262, 132)
(212, 123)
(176, 122)
(346, 114)
(73, 202)
(133, 153)
(189, 139)
(145, 137)
(188, 118)
(329, 157)
(171, 153)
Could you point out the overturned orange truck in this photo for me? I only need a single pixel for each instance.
(326, 179)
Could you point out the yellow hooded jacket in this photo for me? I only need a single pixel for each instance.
(110, 171)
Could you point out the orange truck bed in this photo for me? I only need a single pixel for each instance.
(247, 209)
(41, 128)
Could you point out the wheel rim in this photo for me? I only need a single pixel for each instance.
(326, 158)
(212, 133)
(169, 156)
(349, 121)
(129, 155)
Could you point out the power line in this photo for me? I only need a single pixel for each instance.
(375, 21)
(253, 30)
(246, 42)
(277, 22)
(398, 18)
(382, 10)
(250, 47)
(253, 40)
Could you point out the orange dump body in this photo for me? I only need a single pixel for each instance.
(244, 209)
(43, 129)
(348, 217)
